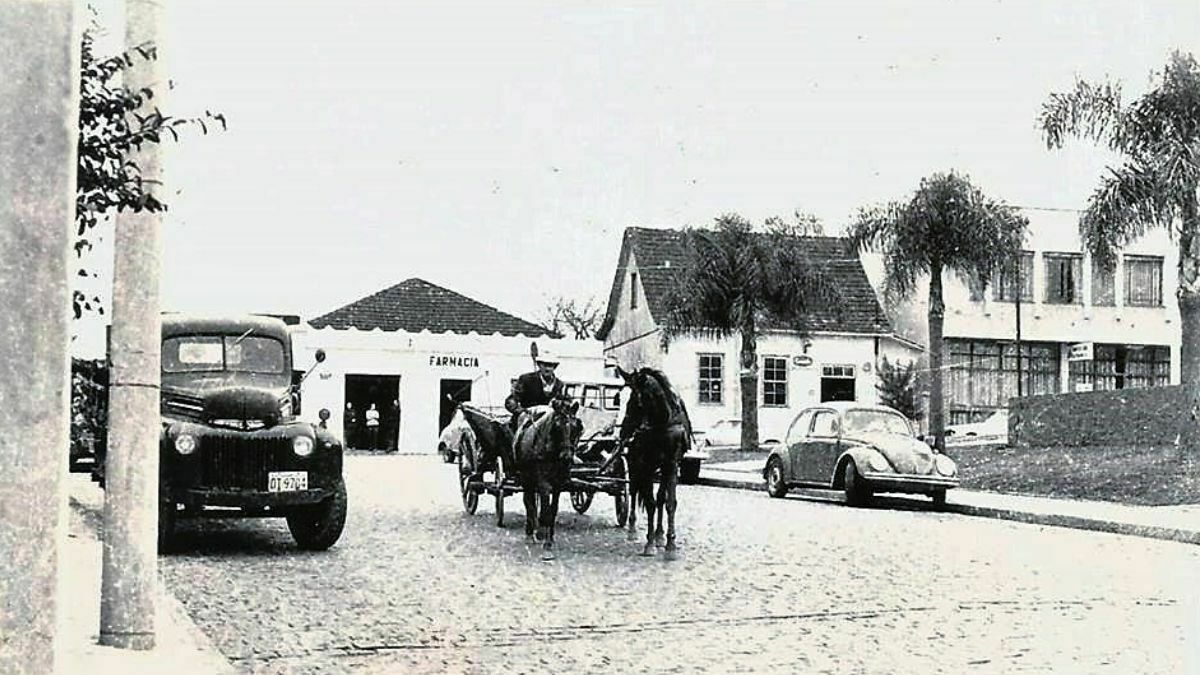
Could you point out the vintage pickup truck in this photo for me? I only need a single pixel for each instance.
(231, 442)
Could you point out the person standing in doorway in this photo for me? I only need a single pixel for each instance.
(350, 425)
(372, 427)
(392, 426)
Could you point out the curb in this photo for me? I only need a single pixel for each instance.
(171, 611)
(1053, 519)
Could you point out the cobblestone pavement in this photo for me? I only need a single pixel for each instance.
(417, 586)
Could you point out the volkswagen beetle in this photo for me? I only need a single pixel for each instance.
(861, 449)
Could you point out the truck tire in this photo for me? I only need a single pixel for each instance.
(317, 527)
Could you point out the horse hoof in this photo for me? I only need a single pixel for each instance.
(547, 556)
(530, 540)
(670, 554)
(648, 551)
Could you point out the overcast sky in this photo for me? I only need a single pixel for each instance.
(500, 152)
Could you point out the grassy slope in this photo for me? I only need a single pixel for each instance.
(1151, 476)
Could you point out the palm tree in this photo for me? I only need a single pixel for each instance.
(947, 225)
(1159, 137)
(736, 281)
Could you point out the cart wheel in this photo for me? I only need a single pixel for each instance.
(581, 501)
(621, 499)
(470, 497)
(499, 491)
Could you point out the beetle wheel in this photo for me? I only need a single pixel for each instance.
(776, 487)
(858, 492)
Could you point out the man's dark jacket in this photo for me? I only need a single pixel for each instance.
(528, 392)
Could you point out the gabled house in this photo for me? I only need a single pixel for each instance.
(836, 360)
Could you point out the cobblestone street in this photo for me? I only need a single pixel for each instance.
(416, 585)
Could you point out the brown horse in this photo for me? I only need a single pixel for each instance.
(657, 432)
(542, 454)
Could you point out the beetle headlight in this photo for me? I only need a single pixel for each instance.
(876, 462)
(185, 444)
(945, 465)
(302, 446)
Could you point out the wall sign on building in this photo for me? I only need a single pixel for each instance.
(1082, 351)
(454, 361)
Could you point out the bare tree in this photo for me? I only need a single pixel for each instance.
(569, 317)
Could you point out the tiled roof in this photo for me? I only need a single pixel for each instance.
(415, 305)
(660, 256)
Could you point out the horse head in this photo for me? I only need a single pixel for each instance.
(565, 428)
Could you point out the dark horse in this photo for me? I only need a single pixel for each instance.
(540, 457)
(543, 451)
(657, 431)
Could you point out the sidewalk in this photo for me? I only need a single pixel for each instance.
(1174, 523)
(181, 648)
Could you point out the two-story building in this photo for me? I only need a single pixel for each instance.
(1082, 327)
(838, 361)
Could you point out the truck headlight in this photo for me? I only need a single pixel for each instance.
(302, 446)
(185, 444)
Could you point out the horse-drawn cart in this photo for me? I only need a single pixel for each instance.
(598, 465)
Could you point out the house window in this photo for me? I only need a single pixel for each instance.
(1143, 281)
(775, 381)
(633, 290)
(711, 376)
(1122, 367)
(1005, 289)
(1104, 293)
(1064, 278)
(837, 383)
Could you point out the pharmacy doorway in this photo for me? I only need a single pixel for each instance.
(368, 429)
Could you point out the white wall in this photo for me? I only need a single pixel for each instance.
(681, 363)
(499, 359)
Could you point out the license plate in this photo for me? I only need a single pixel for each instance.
(287, 481)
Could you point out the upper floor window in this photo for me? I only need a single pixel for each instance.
(633, 290)
(1064, 278)
(1143, 281)
(1104, 292)
(774, 381)
(1005, 288)
(712, 375)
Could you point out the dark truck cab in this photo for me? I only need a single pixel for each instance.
(231, 441)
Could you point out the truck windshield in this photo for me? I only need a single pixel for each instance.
(209, 353)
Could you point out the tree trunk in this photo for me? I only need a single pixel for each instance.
(1188, 297)
(1188, 293)
(748, 379)
(937, 317)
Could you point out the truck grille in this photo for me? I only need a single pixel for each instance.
(233, 462)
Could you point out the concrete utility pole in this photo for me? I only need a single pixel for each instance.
(130, 572)
(39, 125)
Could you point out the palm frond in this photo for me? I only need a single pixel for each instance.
(1129, 200)
(1090, 111)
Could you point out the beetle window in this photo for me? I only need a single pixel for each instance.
(799, 428)
(825, 424)
(861, 421)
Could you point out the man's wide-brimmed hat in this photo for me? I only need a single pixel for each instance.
(546, 356)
